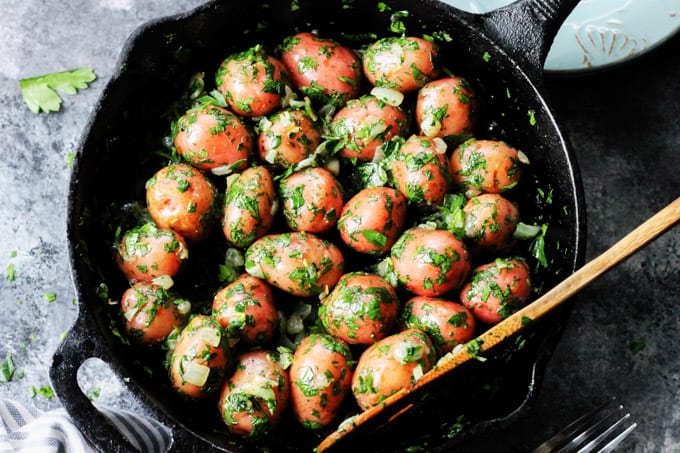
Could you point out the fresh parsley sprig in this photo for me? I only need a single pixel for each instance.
(40, 93)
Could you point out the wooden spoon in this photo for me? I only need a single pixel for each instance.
(398, 404)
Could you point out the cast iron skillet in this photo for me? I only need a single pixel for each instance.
(501, 53)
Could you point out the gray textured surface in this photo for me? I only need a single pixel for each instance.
(623, 125)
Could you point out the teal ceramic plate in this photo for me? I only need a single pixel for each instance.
(601, 33)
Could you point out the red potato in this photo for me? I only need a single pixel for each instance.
(366, 123)
(372, 220)
(253, 399)
(430, 262)
(490, 222)
(252, 82)
(287, 137)
(485, 166)
(321, 376)
(420, 170)
(213, 139)
(151, 312)
(200, 358)
(402, 63)
(181, 198)
(249, 206)
(497, 289)
(245, 309)
(447, 108)
(362, 309)
(299, 263)
(147, 252)
(321, 68)
(447, 323)
(312, 200)
(391, 364)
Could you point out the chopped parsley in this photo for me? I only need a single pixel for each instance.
(7, 368)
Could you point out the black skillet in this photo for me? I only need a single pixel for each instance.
(501, 53)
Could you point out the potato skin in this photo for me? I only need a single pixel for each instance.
(485, 166)
(497, 289)
(430, 262)
(179, 197)
(361, 309)
(321, 68)
(287, 137)
(192, 347)
(255, 396)
(150, 313)
(447, 108)
(210, 137)
(248, 205)
(364, 124)
(299, 263)
(245, 309)
(490, 222)
(421, 172)
(312, 200)
(147, 252)
(389, 365)
(447, 323)
(401, 63)
(321, 377)
(252, 82)
(372, 220)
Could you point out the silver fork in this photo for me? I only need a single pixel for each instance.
(601, 430)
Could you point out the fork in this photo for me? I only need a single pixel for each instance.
(601, 430)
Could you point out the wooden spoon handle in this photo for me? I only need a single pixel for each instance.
(632, 242)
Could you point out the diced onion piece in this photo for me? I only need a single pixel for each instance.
(440, 145)
(264, 392)
(196, 374)
(378, 126)
(222, 170)
(164, 281)
(430, 126)
(211, 336)
(295, 324)
(406, 352)
(270, 156)
(255, 270)
(388, 95)
(231, 179)
(130, 314)
(275, 207)
(234, 257)
(288, 96)
(379, 154)
(523, 158)
(183, 306)
(418, 372)
(183, 253)
(333, 165)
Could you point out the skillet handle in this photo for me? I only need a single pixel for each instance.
(526, 29)
(76, 348)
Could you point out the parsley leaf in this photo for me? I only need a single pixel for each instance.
(40, 93)
(8, 368)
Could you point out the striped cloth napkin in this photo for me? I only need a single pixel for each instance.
(26, 429)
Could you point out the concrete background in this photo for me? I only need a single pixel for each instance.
(623, 125)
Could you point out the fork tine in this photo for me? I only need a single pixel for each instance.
(590, 432)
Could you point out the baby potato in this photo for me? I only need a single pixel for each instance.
(485, 166)
(151, 312)
(180, 198)
(253, 399)
(366, 123)
(497, 289)
(393, 363)
(447, 323)
(299, 263)
(213, 139)
(200, 358)
(245, 309)
(312, 200)
(321, 376)
(147, 252)
(447, 108)
(252, 82)
(248, 206)
(372, 219)
(420, 170)
(361, 309)
(403, 63)
(321, 68)
(490, 222)
(430, 262)
(287, 137)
